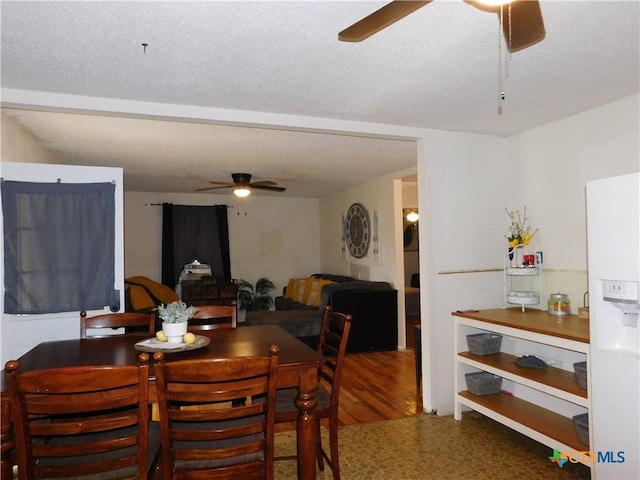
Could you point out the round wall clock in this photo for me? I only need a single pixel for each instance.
(357, 231)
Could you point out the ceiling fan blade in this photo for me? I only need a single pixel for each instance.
(523, 25)
(226, 184)
(244, 180)
(267, 187)
(263, 182)
(378, 20)
(213, 188)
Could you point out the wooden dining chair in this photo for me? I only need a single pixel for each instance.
(205, 432)
(334, 335)
(211, 317)
(83, 421)
(143, 322)
(7, 440)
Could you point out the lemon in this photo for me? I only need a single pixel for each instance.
(161, 336)
(189, 338)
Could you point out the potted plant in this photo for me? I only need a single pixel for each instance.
(175, 317)
(255, 298)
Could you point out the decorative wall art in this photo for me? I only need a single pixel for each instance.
(377, 258)
(343, 239)
(357, 230)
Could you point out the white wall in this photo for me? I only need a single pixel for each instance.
(466, 182)
(384, 197)
(18, 145)
(376, 196)
(557, 160)
(462, 192)
(274, 237)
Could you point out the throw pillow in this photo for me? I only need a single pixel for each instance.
(315, 297)
(299, 285)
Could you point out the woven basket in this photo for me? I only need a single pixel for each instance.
(580, 370)
(484, 343)
(581, 424)
(483, 383)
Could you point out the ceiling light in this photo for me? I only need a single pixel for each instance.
(241, 192)
(413, 216)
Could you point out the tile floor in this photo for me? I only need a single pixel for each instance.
(439, 448)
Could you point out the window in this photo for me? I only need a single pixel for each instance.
(193, 232)
(59, 246)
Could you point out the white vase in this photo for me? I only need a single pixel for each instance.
(174, 331)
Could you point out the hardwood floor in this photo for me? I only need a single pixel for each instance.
(410, 322)
(381, 385)
(376, 386)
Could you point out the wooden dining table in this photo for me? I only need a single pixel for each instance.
(297, 367)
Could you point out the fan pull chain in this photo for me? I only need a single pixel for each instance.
(503, 60)
(510, 27)
(501, 94)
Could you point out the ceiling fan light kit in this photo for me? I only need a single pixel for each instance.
(412, 216)
(241, 192)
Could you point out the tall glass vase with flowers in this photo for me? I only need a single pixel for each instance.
(519, 232)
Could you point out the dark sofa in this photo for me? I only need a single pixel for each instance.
(373, 306)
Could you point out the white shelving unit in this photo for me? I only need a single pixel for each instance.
(513, 268)
(540, 398)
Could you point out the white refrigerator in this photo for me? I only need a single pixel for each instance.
(613, 242)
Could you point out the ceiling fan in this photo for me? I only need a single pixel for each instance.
(242, 185)
(521, 20)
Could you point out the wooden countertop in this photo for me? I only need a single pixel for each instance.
(567, 326)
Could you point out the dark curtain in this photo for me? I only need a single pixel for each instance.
(59, 246)
(191, 232)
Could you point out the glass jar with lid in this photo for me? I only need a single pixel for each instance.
(559, 304)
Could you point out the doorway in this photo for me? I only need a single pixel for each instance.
(411, 255)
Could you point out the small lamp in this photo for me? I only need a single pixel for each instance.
(241, 192)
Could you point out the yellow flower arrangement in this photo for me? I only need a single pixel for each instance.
(519, 232)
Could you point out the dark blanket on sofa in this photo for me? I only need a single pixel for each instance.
(373, 306)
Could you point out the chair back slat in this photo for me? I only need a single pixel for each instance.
(211, 317)
(222, 395)
(334, 336)
(81, 421)
(217, 416)
(132, 321)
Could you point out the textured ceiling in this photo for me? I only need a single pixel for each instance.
(437, 68)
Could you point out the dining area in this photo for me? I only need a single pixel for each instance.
(124, 406)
